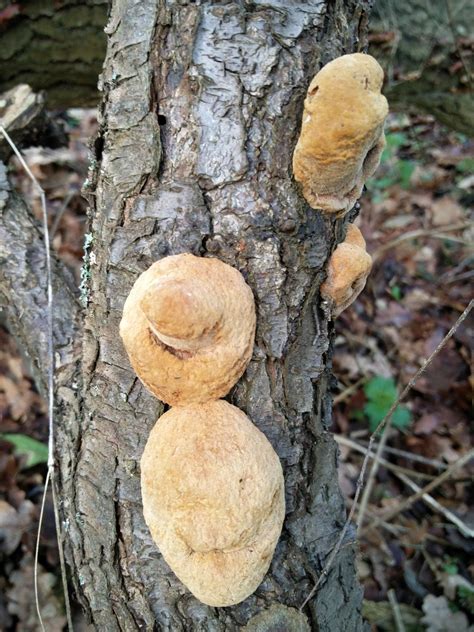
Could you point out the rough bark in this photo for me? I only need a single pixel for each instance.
(22, 291)
(201, 110)
(54, 46)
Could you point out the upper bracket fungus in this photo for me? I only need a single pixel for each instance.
(213, 498)
(347, 271)
(342, 136)
(188, 326)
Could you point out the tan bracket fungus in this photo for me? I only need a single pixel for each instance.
(347, 271)
(212, 485)
(213, 498)
(341, 137)
(188, 326)
(278, 617)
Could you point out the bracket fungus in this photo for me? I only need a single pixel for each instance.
(213, 498)
(278, 617)
(188, 326)
(347, 272)
(342, 136)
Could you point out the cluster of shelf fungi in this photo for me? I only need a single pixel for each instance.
(212, 485)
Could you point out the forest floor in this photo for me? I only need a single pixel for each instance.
(416, 564)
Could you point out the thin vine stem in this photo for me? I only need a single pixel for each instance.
(50, 476)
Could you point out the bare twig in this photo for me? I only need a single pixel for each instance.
(347, 392)
(413, 234)
(423, 493)
(401, 473)
(37, 547)
(394, 529)
(60, 536)
(461, 277)
(411, 456)
(397, 614)
(390, 466)
(446, 237)
(360, 480)
(452, 272)
(61, 212)
(385, 424)
(50, 355)
(432, 502)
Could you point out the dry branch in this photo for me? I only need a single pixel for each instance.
(385, 424)
(423, 493)
(360, 481)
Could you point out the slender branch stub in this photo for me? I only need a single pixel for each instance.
(347, 272)
(213, 499)
(188, 326)
(342, 138)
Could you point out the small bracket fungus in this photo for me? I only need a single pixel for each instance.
(347, 271)
(278, 617)
(342, 137)
(188, 326)
(213, 498)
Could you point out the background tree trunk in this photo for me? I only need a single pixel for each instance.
(201, 110)
(426, 49)
(54, 46)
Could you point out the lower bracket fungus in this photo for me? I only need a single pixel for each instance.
(188, 326)
(347, 272)
(213, 498)
(342, 138)
(278, 617)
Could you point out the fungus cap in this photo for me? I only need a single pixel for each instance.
(341, 137)
(347, 271)
(213, 499)
(188, 327)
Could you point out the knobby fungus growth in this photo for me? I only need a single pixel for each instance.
(212, 489)
(188, 326)
(212, 485)
(342, 136)
(347, 271)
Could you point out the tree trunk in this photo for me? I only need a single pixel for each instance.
(54, 46)
(201, 110)
(430, 50)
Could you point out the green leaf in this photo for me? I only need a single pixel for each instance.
(401, 417)
(466, 165)
(405, 170)
(35, 451)
(381, 183)
(396, 140)
(73, 121)
(375, 414)
(450, 568)
(466, 597)
(381, 392)
(381, 389)
(396, 292)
